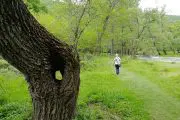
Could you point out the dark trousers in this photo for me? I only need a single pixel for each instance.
(117, 69)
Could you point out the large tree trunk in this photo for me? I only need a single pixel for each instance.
(27, 45)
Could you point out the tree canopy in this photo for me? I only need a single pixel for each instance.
(111, 26)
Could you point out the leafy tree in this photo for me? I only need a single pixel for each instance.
(110, 26)
(174, 30)
(36, 6)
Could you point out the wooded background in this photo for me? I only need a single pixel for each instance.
(110, 26)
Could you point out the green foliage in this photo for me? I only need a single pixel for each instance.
(15, 111)
(14, 99)
(87, 62)
(110, 26)
(36, 6)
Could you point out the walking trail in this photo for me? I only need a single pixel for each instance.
(159, 104)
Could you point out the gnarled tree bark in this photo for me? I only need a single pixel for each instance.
(35, 52)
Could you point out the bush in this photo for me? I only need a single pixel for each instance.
(15, 111)
(87, 62)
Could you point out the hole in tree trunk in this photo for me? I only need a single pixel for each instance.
(58, 75)
(58, 66)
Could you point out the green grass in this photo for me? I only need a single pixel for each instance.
(165, 75)
(157, 84)
(15, 102)
(143, 91)
(105, 97)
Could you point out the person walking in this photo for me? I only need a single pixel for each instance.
(117, 63)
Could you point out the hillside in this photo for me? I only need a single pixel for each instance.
(173, 17)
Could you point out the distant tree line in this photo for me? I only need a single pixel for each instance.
(110, 26)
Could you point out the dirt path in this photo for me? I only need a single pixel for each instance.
(159, 104)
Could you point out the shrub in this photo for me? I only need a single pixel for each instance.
(15, 111)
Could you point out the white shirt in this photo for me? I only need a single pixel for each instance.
(117, 60)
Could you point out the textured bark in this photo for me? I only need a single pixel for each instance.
(29, 47)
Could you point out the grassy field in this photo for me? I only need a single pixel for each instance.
(142, 91)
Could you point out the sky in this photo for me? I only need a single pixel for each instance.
(172, 7)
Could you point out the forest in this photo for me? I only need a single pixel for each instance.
(81, 38)
(110, 26)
